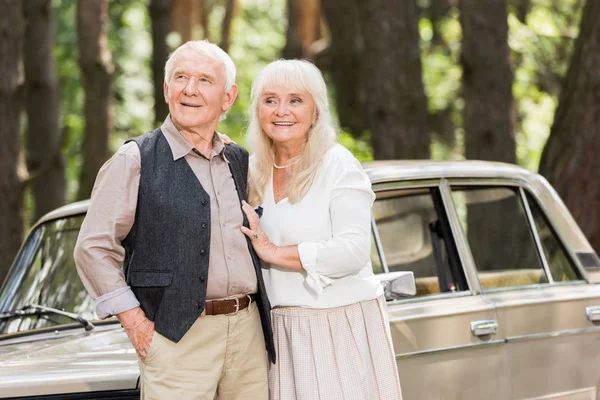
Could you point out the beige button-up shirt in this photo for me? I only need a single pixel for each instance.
(99, 253)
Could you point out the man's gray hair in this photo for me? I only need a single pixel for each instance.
(210, 50)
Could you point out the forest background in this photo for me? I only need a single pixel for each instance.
(516, 81)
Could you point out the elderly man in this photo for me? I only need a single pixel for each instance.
(168, 206)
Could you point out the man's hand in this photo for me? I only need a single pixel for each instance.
(139, 329)
(226, 139)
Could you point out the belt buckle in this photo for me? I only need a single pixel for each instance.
(237, 304)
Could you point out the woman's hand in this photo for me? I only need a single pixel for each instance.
(261, 243)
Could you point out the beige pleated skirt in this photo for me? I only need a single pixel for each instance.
(343, 353)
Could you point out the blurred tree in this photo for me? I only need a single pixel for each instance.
(96, 74)
(11, 181)
(341, 58)
(568, 160)
(189, 19)
(521, 8)
(488, 117)
(304, 28)
(437, 12)
(230, 11)
(487, 81)
(159, 14)
(44, 159)
(396, 106)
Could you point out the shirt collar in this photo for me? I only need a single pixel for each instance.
(180, 147)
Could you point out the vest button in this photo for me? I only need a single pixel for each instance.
(202, 252)
(200, 304)
(203, 202)
(202, 278)
(204, 225)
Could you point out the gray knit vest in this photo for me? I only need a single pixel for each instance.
(167, 249)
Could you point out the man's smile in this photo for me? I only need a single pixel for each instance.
(191, 105)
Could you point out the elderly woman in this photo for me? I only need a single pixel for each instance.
(329, 320)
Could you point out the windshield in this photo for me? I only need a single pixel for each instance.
(44, 273)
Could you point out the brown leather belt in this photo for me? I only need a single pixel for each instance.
(229, 306)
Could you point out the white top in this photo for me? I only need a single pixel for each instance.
(332, 227)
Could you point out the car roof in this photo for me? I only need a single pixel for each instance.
(386, 170)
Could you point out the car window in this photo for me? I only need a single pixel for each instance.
(559, 262)
(413, 235)
(51, 280)
(504, 240)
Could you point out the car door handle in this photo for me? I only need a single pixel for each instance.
(484, 328)
(593, 313)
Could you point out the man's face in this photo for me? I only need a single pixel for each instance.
(196, 91)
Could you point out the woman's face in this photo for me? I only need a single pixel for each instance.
(286, 114)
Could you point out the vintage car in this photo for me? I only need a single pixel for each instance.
(505, 300)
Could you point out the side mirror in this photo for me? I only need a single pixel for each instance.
(398, 285)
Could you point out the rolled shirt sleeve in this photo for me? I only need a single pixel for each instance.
(98, 253)
(348, 251)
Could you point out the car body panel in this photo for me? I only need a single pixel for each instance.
(549, 336)
(68, 361)
(435, 349)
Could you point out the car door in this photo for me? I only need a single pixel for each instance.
(447, 341)
(545, 305)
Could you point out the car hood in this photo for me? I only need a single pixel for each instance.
(67, 361)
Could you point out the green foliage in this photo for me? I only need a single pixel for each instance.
(541, 49)
(442, 81)
(130, 44)
(71, 94)
(258, 35)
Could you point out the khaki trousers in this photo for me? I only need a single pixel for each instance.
(220, 357)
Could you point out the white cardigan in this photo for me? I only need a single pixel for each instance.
(332, 227)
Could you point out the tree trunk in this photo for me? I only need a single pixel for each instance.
(396, 105)
(230, 10)
(44, 161)
(521, 8)
(487, 81)
(488, 114)
(159, 14)
(304, 22)
(344, 55)
(11, 80)
(187, 17)
(96, 75)
(568, 160)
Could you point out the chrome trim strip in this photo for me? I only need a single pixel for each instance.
(568, 394)
(536, 236)
(447, 349)
(439, 296)
(462, 244)
(554, 334)
(393, 185)
(539, 286)
(378, 245)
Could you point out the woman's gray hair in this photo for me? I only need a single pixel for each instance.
(299, 75)
(210, 50)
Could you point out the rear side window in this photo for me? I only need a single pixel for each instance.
(510, 239)
(559, 262)
(414, 235)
